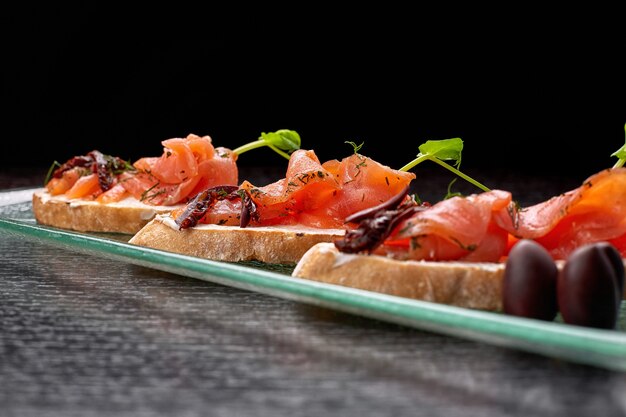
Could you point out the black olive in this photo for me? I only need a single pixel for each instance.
(530, 281)
(618, 264)
(589, 286)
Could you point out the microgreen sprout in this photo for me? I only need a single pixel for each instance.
(283, 142)
(356, 147)
(451, 193)
(440, 151)
(620, 154)
(54, 166)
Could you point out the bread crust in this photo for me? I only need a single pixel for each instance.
(127, 216)
(270, 244)
(463, 284)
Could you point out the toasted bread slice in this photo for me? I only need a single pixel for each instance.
(126, 216)
(270, 244)
(463, 284)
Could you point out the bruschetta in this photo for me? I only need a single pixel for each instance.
(277, 222)
(101, 193)
(458, 250)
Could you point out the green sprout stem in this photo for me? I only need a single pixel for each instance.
(278, 151)
(414, 162)
(54, 165)
(283, 142)
(422, 158)
(249, 146)
(257, 144)
(460, 174)
(620, 154)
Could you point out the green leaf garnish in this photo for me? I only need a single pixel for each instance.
(283, 142)
(620, 154)
(439, 151)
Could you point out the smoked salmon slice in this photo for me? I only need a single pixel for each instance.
(86, 186)
(458, 228)
(483, 227)
(315, 194)
(593, 212)
(60, 185)
(186, 166)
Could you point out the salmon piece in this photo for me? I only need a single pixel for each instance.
(593, 212)
(225, 213)
(317, 195)
(139, 184)
(307, 207)
(222, 212)
(484, 227)
(85, 187)
(145, 164)
(113, 194)
(303, 171)
(363, 183)
(218, 170)
(149, 190)
(459, 228)
(323, 195)
(201, 147)
(177, 164)
(186, 167)
(57, 186)
(171, 194)
(306, 186)
(180, 159)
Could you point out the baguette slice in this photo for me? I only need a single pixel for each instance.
(126, 216)
(270, 244)
(463, 284)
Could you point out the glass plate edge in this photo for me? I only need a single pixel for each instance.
(582, 345)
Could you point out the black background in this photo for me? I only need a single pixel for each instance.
(538, 95)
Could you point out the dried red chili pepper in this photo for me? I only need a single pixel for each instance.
(104, 166)
(77, 161)
(376, 223)
(202, 202)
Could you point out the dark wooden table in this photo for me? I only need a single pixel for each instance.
(84, 336)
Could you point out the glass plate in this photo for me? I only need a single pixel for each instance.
(603, 348)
